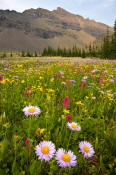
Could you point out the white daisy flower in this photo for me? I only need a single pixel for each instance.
(31, 110)
(74, 126)
(86, 149)
(65, 159)
(45, 150)
(85, 77)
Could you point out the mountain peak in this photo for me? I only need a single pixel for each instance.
(60, 10)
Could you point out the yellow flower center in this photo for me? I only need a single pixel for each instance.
(66, 157)
(86, 149)
(45, 150)
(31, 110)
(74, 126)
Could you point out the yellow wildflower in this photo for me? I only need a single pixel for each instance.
(3, 81)
(46, 113)
(50, 90)
(40, 89)
(40, 78)
(79, 103)
(22, 81)
(39, 131)
(19, 66)
(15, 137)
(66, 111)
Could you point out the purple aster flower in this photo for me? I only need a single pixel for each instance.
(86, 149)
(62, 73)
(45, 150)
(111, 81)
(73, 81)
(65, 159)
(74, 126)
(31, 110)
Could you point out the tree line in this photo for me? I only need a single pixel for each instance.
(107, 50)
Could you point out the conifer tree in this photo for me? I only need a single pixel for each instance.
(11, 54)
(106, 46)
(113, 44)
(115, 29)
(90, 50)
(35, 54)
(83, 53)
(22, 54)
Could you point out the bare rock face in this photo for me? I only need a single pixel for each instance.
(35, 29)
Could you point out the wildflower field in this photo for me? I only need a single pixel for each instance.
(57, 118)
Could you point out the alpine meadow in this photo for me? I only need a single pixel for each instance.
(57, 88)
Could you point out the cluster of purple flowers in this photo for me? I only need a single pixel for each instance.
(46, 151)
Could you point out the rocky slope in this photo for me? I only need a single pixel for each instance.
(35, 29)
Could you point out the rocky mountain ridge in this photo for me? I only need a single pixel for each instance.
(35, 29)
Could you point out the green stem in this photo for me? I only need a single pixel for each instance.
(69, 139)
(29, 127)
(15, 148)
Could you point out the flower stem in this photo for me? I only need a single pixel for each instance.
(69, 139)
(29, 127)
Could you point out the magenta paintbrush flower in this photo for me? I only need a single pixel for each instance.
(66, 102)
(68, 83)
(68, 117)
(27, 143)
(1, 78)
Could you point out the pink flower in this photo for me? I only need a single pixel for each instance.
(111, 81)
(68, 117)
(25, 93)
(103, 75)
(84, 85)
(87, 70)
(1, 78)
(101, 80)
(30, 94)
(66, 102)
(67, 83)
(27, 143)
(80, 84)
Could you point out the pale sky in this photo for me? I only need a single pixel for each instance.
(99, 10)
